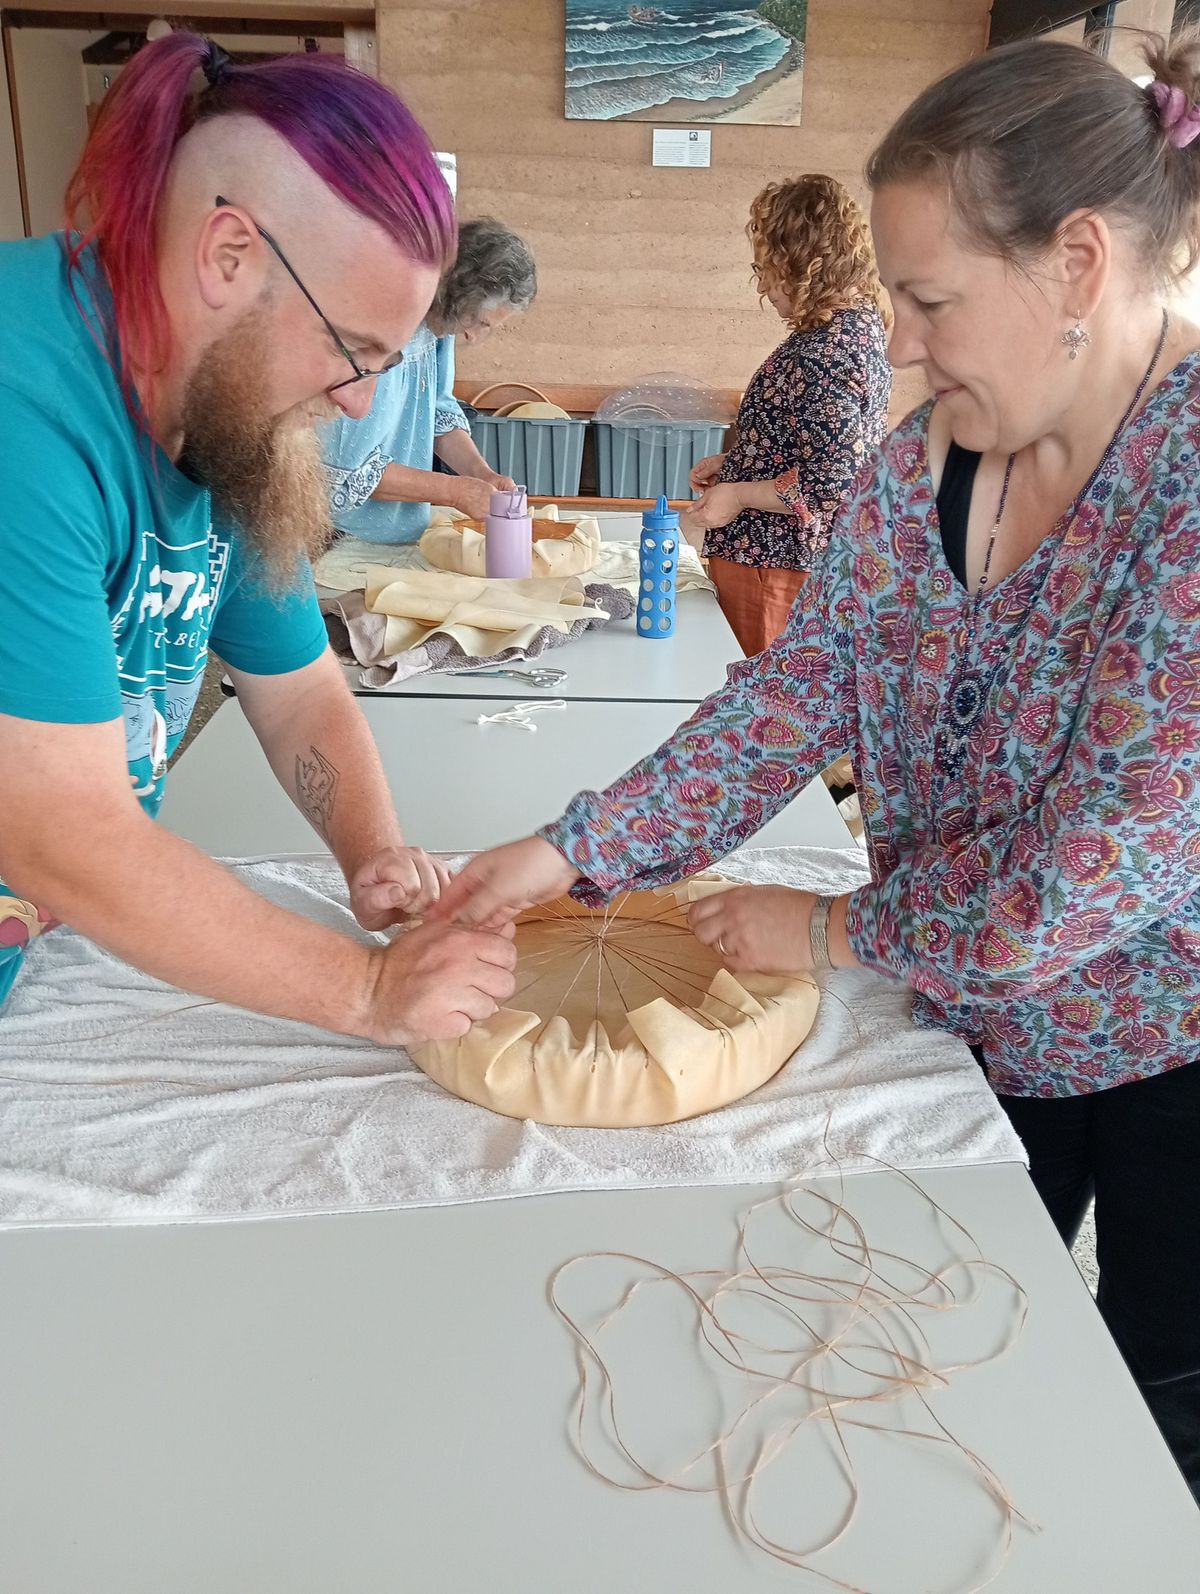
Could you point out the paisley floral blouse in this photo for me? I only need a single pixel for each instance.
(1032, 805)
(814, 410)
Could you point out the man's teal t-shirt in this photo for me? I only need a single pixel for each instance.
(114, 578)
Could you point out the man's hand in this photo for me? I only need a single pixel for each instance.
(395, 884)
(434, 982)
(497, 885)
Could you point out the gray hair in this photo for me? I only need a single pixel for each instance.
(493, 267)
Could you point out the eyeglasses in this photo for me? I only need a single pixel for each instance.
(360, 375)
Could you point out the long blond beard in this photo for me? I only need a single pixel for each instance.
(263, 470)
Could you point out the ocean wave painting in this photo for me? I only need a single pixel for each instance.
(685, 61)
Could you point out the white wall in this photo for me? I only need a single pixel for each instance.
(50, 95)
(53, 89)
(10, 192)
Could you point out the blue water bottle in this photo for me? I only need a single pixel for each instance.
(657, 562)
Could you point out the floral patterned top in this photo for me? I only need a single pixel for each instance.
(814, 410)
(1035, 854)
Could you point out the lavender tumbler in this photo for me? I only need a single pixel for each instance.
(508, 536)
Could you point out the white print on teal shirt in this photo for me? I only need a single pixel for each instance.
(164, 625)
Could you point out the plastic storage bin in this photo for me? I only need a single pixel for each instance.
(546, 456)
(652, 460)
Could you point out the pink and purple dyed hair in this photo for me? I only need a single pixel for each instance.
(358, 137)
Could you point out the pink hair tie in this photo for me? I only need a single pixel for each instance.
(1178, 118)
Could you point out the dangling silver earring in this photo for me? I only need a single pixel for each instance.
(1076, 338)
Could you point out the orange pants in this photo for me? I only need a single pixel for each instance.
(756, 601)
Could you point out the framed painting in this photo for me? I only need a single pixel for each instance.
(685, 61)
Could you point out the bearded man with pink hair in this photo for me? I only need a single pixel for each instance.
(247, 247)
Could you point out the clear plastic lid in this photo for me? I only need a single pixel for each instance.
(666, 397)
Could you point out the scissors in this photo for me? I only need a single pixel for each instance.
(538, 677)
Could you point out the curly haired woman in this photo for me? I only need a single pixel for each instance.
(814, 409)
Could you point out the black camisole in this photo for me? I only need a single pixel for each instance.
(954, 506)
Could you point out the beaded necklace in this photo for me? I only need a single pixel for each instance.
(972, 683)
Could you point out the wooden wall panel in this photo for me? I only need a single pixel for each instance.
(1145, 16)
(645, 268)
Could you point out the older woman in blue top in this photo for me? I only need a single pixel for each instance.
(380, 468)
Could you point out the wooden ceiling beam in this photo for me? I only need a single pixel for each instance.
(131, 22)
(208, 13)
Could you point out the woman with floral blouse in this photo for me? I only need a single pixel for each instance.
(1006, 639)
(814, 410)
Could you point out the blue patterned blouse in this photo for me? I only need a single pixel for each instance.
(813, 411)
(414, 404)
(1035, 840)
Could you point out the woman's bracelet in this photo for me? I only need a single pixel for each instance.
(818, 933)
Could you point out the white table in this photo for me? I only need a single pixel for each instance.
(379, 1403)
(458, 785)
(612, 664)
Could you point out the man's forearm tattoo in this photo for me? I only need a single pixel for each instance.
(316, 790)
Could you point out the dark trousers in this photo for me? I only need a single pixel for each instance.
(1136, 1148)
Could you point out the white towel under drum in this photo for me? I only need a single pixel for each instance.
(124, 1100)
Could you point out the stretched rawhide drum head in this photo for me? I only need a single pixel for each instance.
(560, 547)
(622, 1019)
(552, 530)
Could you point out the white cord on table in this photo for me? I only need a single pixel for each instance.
(519, 713)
